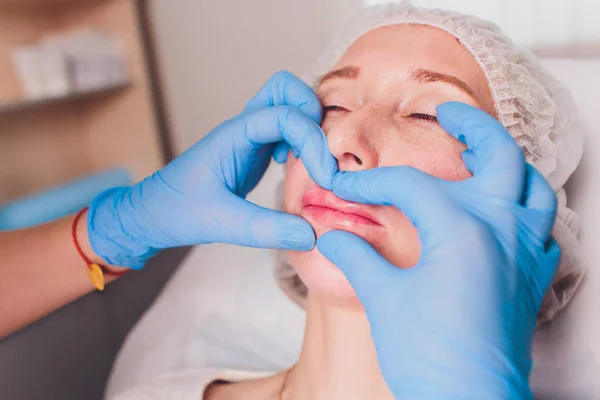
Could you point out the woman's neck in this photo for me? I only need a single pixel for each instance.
(338, 359)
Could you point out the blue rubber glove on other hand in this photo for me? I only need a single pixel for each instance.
(459, 325)
(200, 196)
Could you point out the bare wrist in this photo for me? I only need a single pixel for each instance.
(86, 247)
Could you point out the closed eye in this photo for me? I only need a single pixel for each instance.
(425, 117)
(333, 108)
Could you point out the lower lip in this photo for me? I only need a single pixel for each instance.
(335, 219)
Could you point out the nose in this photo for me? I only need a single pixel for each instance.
(353, 141)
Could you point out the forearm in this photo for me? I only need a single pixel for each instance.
(41, 271)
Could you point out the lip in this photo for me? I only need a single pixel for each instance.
(323, 209)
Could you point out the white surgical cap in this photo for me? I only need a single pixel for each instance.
(535, 108)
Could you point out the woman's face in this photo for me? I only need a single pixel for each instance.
(379, 110)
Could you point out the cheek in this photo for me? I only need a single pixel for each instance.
(433, 153)
(437, 157)
(321, 276)
(443, 164)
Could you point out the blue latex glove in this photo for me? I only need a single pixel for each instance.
(459, 325)
(199, 197)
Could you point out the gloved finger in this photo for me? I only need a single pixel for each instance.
(493, 156)
(280, 153)
(421, 197)
(304, 136)
(246, 224)
(366, 270)
(537, 224)
(285, 89)
(538, 192)
(539, 205)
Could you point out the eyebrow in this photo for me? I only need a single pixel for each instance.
(419, 75)
(347, 72)
(427, 76)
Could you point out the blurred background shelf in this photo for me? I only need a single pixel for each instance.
(25, 104)
(50, 142)
(46, 3)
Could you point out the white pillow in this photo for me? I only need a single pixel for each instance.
(567, 352)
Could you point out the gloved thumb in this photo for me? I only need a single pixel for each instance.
(366, 270)
(255, 226)
(280, 153)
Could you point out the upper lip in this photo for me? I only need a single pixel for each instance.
(319, 197)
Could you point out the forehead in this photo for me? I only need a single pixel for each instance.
(392, 52)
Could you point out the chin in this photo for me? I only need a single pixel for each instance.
(322, 278)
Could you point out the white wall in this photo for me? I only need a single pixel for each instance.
(215, 54)
(533, 23)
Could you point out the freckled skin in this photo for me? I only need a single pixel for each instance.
(376, 124)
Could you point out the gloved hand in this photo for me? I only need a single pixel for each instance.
(199, 197)
(459, 325)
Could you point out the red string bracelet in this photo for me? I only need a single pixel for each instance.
(96, 272)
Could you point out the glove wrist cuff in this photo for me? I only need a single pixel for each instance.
(456, 379)
(113, 232)
(469, 389)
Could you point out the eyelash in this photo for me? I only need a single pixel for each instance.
(327, 109)
(425, 117)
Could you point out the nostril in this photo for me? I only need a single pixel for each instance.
(358, 160)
